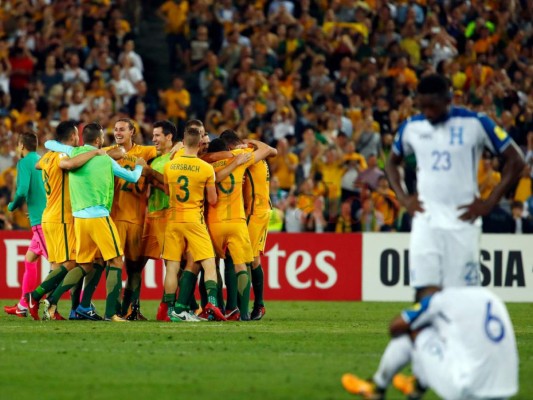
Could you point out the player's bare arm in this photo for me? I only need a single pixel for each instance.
(156, 178)
(217, 156)
(513, 166)
(392, 168)
(228, 169)
(78, 161)
(398, 326)
(178, 146)
(263, 150)
(211, 195)
(160, 185)
(116, 153)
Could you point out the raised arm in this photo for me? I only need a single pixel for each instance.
(216, 156)
(54, 145)
(126, 174)
(263, 150)
(79, 160)
(242, 158)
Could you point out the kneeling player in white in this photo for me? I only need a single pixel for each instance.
(464, 347)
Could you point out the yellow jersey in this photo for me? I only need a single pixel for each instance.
(130, 201)
(58, 208)
(176, 15)
(332, 176)
(285, 176)
(256, 189)
(230, 204)
(187, 177)
(171, 97)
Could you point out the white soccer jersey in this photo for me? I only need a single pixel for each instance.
(478, 340)
(447, 156)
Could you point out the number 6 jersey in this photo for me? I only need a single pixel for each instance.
(477, 333)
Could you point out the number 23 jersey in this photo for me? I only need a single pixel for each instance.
(447, 156)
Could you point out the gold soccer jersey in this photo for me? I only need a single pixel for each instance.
(130, 198)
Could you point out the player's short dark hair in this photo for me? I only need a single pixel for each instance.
(434, 84)
(192, 137)
(229, 136)
(29, 140)
(64, 130)
(217, 145)
(91, 132)
(169, 128)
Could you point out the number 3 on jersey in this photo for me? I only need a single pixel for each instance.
(183, 182)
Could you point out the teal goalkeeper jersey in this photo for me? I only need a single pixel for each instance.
(30, 188)
(158, 200)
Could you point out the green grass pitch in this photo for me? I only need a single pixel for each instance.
(298, 351)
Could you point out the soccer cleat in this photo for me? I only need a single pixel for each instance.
(355, 385)
(88, 313)
(233, 314)
(245, 317)
(408, 385)
(58, 317)
(33, 307)
(258, 313)
(203, 314)
(115, 318)
(134, 314)
(17, 309)
(162, 312)
(184, 316)
(49, 310)
(73, 316)
(214, 313)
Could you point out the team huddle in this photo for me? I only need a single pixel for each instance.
(93, 209)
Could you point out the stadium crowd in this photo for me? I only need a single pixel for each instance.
(327, 83)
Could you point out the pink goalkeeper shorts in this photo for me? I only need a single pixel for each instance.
(38, 244)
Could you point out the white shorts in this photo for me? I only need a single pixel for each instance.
(438, 365)
(443, 257)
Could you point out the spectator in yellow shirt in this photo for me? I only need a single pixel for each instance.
(385, 202)
(284, 165)
(174, 14)
(176, 100)
(487, 178)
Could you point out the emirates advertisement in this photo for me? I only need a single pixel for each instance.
(296, 266)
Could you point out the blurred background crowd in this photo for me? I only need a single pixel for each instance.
(327, 82)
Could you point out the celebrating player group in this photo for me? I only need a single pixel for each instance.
(186, 200)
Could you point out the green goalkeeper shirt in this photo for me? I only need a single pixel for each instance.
(30, 188)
